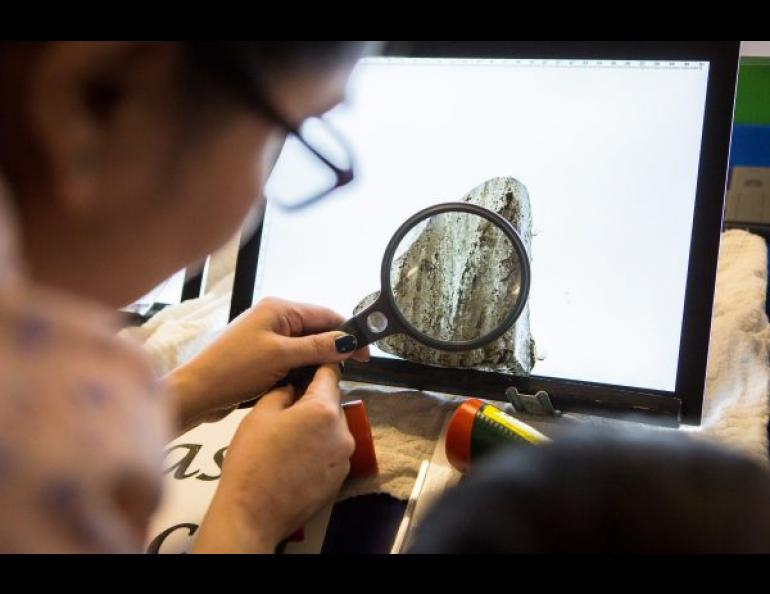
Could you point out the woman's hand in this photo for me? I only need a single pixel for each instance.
(256, 351)
(285, 462)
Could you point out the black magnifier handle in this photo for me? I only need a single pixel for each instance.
(299, 378)
(360, 327)
(373, 324)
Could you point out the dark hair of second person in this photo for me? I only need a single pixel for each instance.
(613, 492)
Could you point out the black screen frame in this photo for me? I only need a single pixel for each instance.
(685, 404)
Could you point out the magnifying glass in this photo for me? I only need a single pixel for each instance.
(454, 277)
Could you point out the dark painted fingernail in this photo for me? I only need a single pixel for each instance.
(346, 344)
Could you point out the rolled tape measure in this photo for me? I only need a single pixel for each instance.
(477, 428)
(363, 462)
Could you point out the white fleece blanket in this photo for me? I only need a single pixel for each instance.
(178, 332)
(736, 401)
(406, 424)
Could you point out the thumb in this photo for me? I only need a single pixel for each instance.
(317, 349)
(276, 400)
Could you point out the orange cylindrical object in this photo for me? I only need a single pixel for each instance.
(363, 462)
(458, 436)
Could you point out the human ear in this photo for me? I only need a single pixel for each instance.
(75, 96)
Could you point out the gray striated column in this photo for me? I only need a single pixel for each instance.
(453, 297)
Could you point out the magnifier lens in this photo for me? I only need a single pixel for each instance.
(456, 277)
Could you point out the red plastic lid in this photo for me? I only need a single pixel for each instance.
(363, 462)
(458, 435)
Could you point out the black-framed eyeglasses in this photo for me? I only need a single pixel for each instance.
(314, 162)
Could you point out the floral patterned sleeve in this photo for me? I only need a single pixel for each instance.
(82, 423)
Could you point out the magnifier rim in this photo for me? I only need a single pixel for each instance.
(518, 245)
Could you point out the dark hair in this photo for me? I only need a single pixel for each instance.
(239, 67)
(650, 492)
(281, 54)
